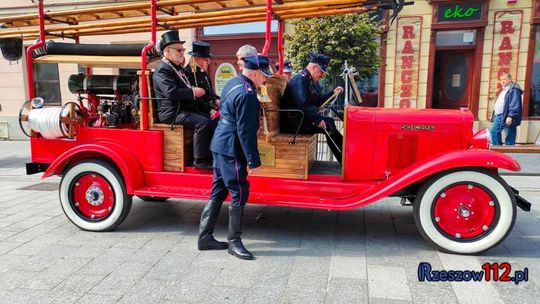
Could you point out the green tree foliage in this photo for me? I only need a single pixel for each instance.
(351, 37)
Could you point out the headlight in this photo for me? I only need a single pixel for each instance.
(37, 102)
(481, 140)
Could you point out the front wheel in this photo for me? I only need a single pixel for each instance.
(93, 196)
(466, 211)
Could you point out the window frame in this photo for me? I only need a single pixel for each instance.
(37, 82)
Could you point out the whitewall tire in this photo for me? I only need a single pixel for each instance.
(93, 196)
(465, 211)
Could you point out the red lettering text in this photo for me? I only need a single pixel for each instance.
(406, 62)
(406, 90)
(507, 27)
(506, 44)
(408, 32)
(405, 103)
(408, 49)
(505, 58)
(406, 76)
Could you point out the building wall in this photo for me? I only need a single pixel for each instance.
(424, 9)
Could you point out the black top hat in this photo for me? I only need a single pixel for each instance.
(201, 49)
(169, 38)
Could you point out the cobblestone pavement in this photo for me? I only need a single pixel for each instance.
(369, 255)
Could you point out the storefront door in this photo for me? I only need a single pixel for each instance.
(455, 78)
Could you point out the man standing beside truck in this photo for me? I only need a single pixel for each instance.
(234, 148)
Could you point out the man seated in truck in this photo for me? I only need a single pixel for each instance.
(197, 73)
(177, 98)
(304, 93)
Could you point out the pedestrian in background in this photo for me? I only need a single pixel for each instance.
(508, 112)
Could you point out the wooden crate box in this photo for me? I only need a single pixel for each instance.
(282, 159)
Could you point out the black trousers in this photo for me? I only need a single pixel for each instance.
(202, 132)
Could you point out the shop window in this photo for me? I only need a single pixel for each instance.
(47, 82)
(534, 102)
(456, 38)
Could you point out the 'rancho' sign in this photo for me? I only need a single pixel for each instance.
(408, 42)
(505, 54)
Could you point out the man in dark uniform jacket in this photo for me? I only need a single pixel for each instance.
(304, 93)
(197, 74)
(177, 98)
(234, 147)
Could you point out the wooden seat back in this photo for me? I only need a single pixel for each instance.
(177, 141)
(269, 123)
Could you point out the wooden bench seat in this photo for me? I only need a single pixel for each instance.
(177, 146)
(281, 158)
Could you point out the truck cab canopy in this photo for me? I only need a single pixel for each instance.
(178, 14)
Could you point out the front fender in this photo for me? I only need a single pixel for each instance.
(127, 163)
(410, 175)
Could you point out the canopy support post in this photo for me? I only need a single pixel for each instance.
(268, 36)
(144, 83)
(30, 50)
(281, 26)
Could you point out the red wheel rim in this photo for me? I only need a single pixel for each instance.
(464, 211)
(93, 196)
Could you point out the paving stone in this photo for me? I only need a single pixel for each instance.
(73, 288)
(472, 291)
(388, 282)
(6, 247)
(90, 298)
(25, 296)
(192, 287)
(54, 275)
(226, 295)
(308, 279)
(346, 290)
(11, 279)
(145, 291)
(172, 266)
(121, 279)
(348, 264)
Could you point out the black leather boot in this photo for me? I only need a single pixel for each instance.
(206, 227)
(236, 247)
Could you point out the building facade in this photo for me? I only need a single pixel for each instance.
(449, 54)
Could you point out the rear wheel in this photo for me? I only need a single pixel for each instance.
(93, 196)
(466, 211)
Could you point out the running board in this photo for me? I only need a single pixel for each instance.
(520, 201)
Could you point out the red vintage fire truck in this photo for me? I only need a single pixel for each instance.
(107, 150)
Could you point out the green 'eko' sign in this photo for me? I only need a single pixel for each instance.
(460, 12)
